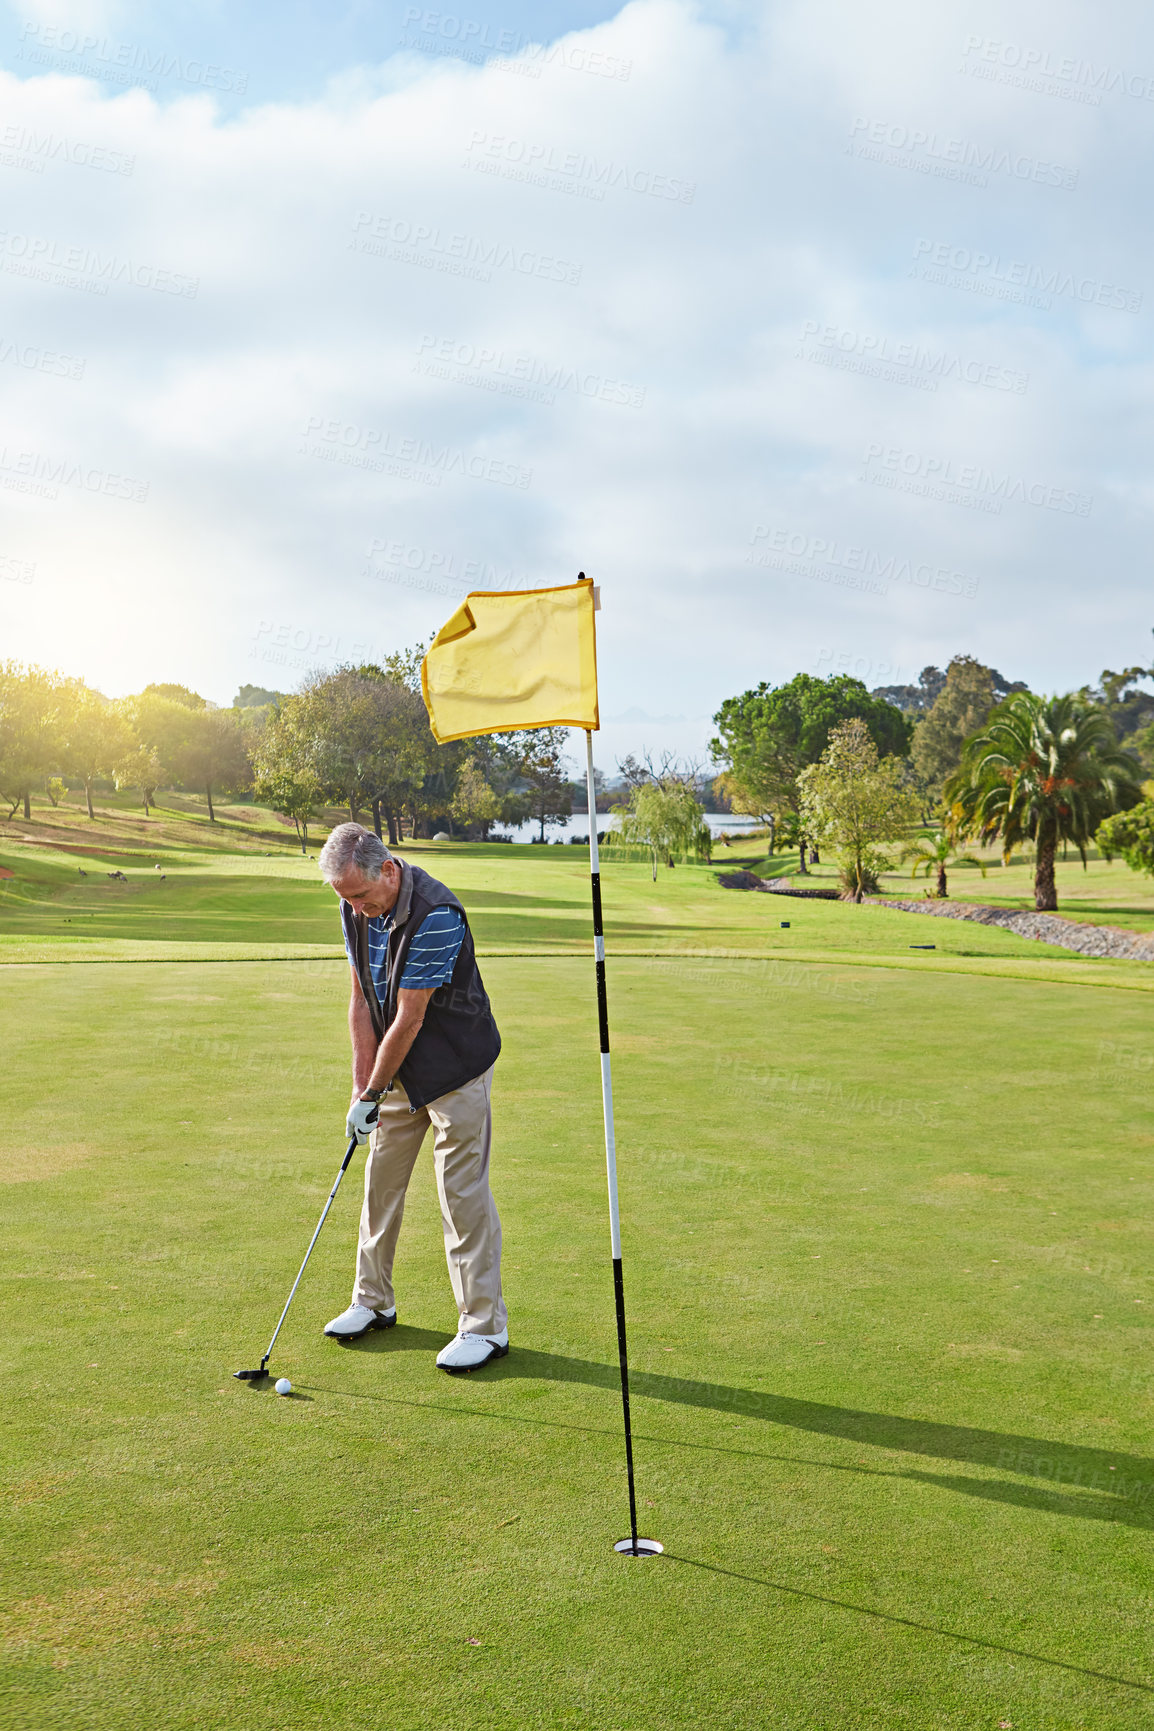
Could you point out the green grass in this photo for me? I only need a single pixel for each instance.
(1103, 892)
(521, 899)
(887, 1223)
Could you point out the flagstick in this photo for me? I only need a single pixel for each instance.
(632, 1546)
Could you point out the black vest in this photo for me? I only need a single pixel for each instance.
(458, 1038)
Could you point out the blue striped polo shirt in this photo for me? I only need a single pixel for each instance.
(432, 954)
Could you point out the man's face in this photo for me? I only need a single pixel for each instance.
(371, 896)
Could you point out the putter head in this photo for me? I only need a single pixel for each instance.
(251, 1375)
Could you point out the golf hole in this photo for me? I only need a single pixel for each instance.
(645, 1548)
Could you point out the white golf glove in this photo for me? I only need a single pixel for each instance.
(362, 1118)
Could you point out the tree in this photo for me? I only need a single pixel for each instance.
(916, 699)
(285, 771)
(164, 721)
(474, 801)
(32, 701)
(162, 724)
(932, 851)
(1043, 769)
(855, 801)
(256, 697)
(499, 758)
(212, 752)
(195, 745)
(372, 739)
(1131, 834)
(1142, 743)
(1129, 707)
(665, 818)
(181, 694)
(748, 791)
(669, 824)
(430, 798)
(97, 737)
(403, 740)
(915, 783)
(795, 720)
(767, 736)
(919, 699)
(790, 832)
(336, 709)
(760, 757)
(141, 768)
(404, 665)
(664, 771)
(540, 764)
(961, 707)
(200, 745)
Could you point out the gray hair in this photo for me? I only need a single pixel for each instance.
(352, 848)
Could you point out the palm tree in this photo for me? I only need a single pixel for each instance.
(931, 851)
(1046, 770)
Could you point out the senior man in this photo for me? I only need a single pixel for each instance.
(424, 1046)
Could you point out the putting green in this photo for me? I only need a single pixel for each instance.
(887, 1241)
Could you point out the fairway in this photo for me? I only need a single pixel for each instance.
(891, 1349)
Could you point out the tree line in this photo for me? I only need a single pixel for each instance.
(970, 754)
(356, 737)
(819, 761)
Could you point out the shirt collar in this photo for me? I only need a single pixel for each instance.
(401, 907)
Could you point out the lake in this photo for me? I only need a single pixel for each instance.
(732, 823)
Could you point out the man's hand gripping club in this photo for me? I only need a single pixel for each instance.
(362, 1118)
(374, 1067)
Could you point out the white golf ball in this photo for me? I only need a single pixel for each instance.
(284, 1386)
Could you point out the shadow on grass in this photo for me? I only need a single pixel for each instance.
(544, 928)
(402, 1337)
(912, 1623)
(954, 1442)
(1121, 1486)
(503, 899)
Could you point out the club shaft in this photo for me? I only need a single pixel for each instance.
(349, 1152)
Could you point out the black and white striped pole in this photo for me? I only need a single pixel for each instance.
(632, 1546)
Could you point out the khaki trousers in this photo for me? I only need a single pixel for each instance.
(462, 1129)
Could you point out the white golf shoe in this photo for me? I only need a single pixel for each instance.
(470, 1351)
(358, 1320)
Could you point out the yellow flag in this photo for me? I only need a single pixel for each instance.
(514, 658)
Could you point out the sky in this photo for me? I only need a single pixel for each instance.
(816, 332)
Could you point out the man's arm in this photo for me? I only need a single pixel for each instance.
(364, 1041)
(406, 1025)
(375, 1066)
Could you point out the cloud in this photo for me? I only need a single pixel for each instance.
(809, 341)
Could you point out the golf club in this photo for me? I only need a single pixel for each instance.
(259, 1374)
